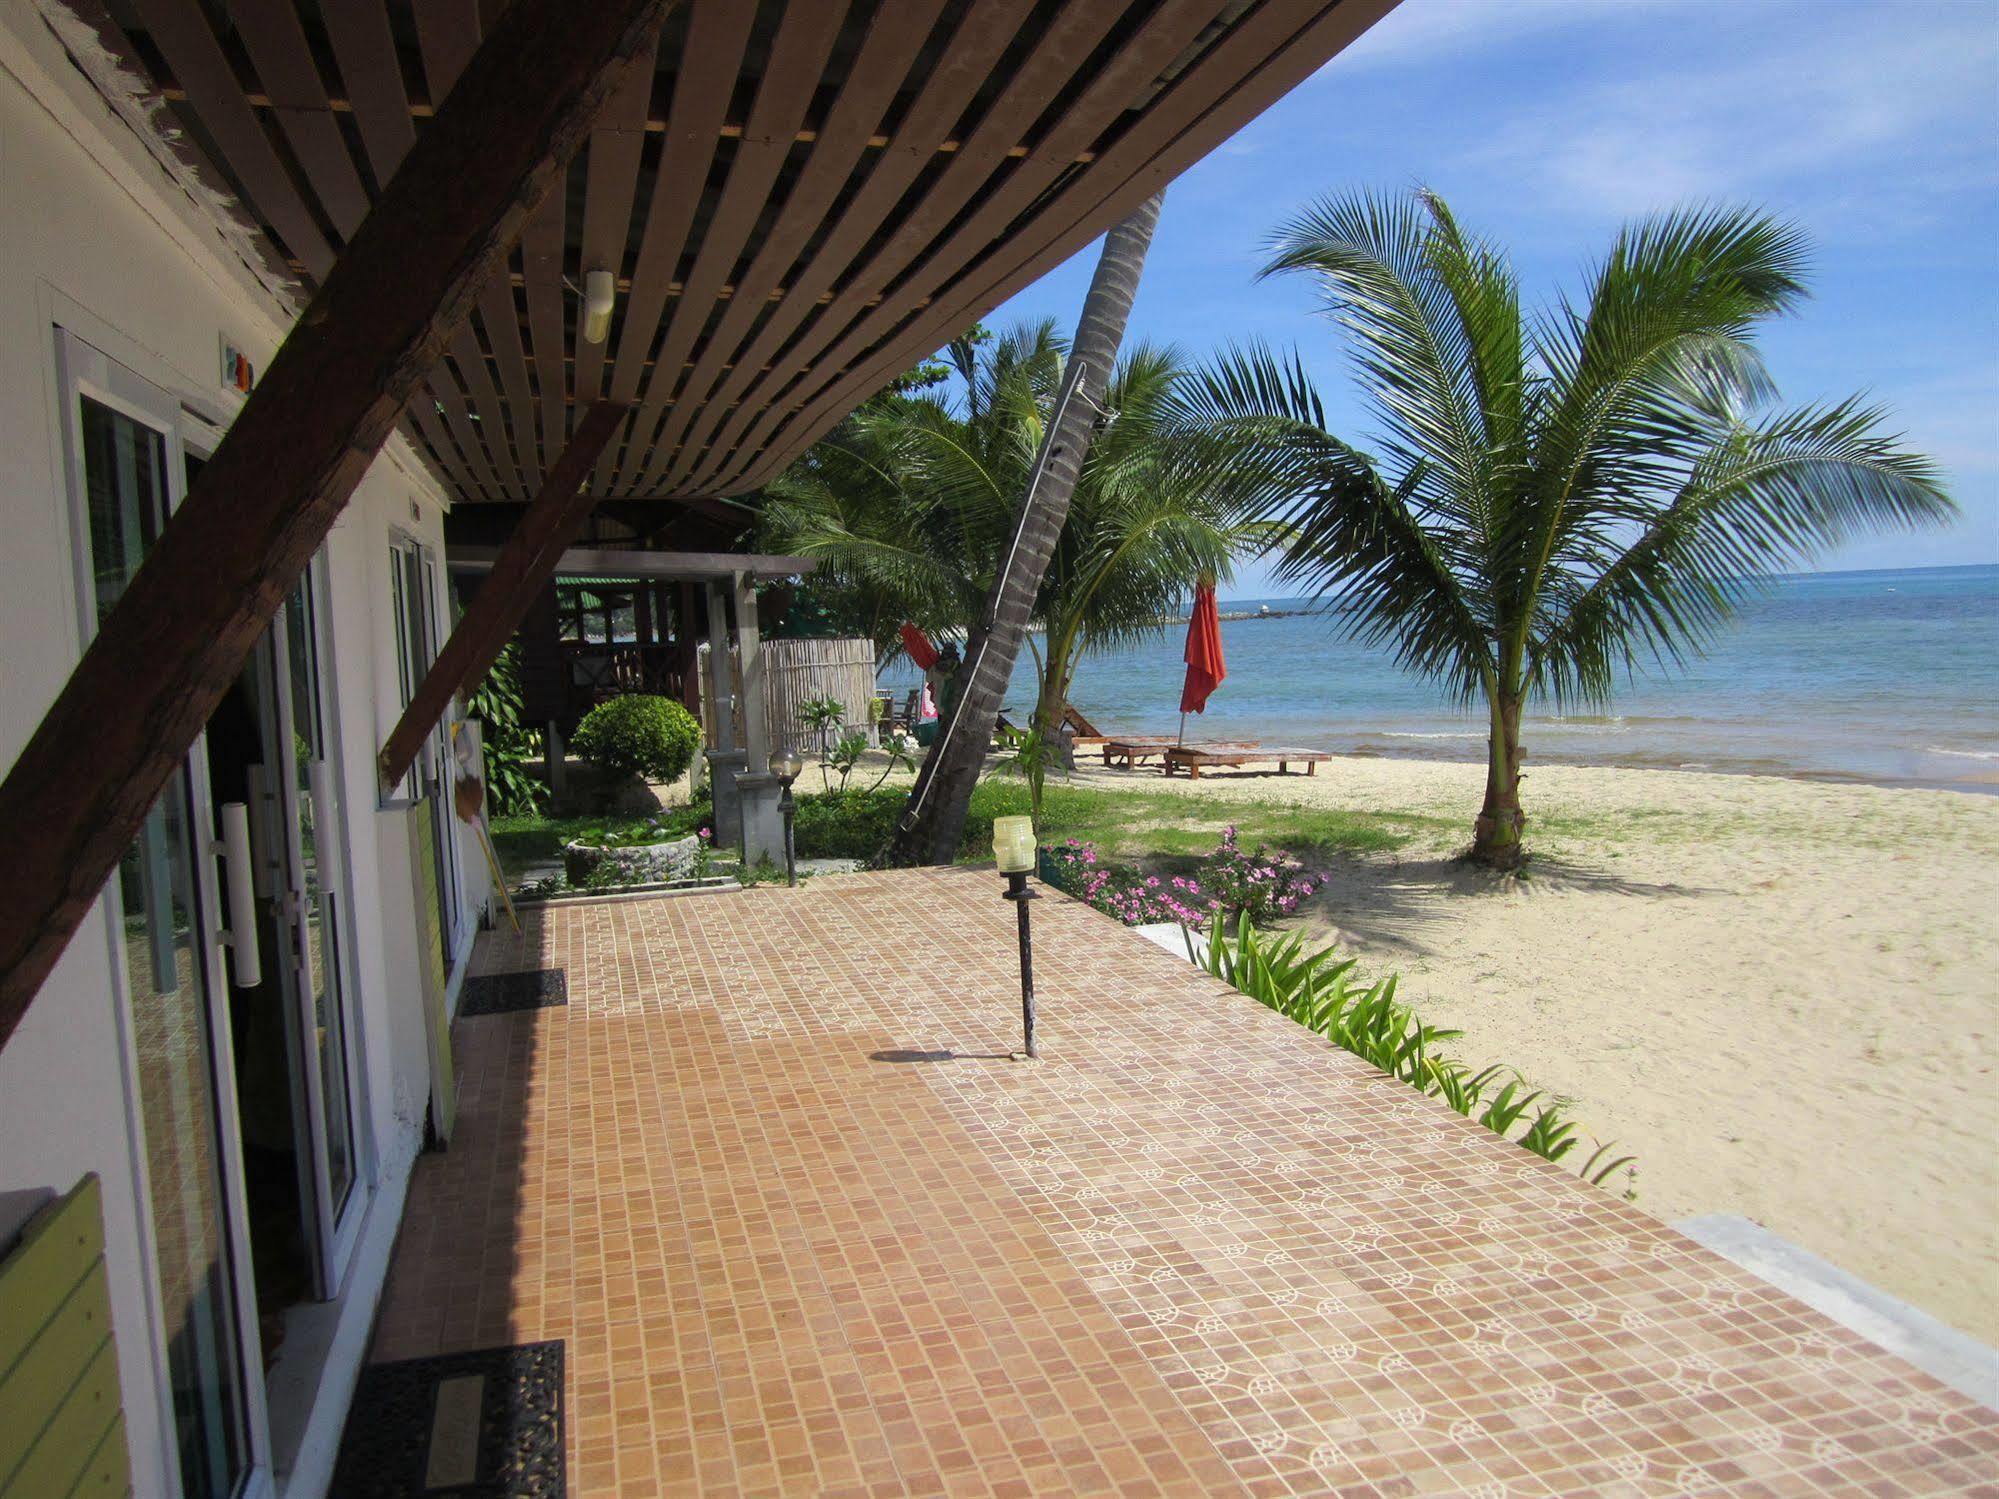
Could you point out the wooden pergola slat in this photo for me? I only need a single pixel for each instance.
(541, 270)
(365, 50)
(973, 51)
(181, 32)
(1272, 51)
(887, 174)
(168, 651)
(1167, 33)
(611, 174)
(1056, 58)
(889, 47)
(712, 60)
(276, 43)
(785, 90)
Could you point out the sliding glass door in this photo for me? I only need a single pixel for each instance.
(165, 916)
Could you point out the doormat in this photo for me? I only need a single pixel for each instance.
(500, 993)
(480, 1425)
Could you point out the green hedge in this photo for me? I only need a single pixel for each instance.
(855, 824)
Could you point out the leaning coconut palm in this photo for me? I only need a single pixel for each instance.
(908, 506)
(929, 828)
(1153, 510)
(1555, 497)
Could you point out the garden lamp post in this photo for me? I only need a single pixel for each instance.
(785, 767)
(1013, 852)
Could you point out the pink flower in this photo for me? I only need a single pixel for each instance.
(703, 834)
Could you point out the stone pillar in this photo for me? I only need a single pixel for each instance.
(725, 761)
(756, 787)
(750, 664)
(763, 827)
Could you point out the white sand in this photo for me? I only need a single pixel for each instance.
(1781, 995)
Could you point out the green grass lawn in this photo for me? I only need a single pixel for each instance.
(1131, 825)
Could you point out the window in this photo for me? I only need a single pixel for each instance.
(596, 613)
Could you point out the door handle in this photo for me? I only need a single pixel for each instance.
(240, 881)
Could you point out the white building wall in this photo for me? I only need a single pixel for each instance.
(96, 238)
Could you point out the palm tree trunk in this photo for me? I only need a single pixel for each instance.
(1496, 839)
(934, 819)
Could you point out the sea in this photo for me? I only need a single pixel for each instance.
(1889, 677)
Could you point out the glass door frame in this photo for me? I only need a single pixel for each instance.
(416, 596)
(335, 1227)
(83, 371)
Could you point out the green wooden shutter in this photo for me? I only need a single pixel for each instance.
(62, 1425)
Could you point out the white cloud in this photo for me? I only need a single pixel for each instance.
(1799, 116)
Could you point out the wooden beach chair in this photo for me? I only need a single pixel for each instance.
(1195, 758)
(1086, 732)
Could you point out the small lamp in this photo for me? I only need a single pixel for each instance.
(600, 294)
(1013, 852)
(786, 765)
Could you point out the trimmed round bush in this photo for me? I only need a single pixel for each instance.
(653, 737)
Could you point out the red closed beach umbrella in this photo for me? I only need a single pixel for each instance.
(921, 651)
(1205, 668)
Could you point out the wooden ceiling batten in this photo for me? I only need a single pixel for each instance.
(278, 50)
(717, 35)
(1266, 54)
(784, 92)
(610, 181)
(1163, 37)
(1051, 60)
(799, 198)
(541, 269)
(181, 32)
(974, 49)
(500, 317)
(894, 37)
(364, 48)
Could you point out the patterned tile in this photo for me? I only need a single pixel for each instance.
(804, 1230)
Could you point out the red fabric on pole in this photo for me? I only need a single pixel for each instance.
(921, 651)
(1205, 668)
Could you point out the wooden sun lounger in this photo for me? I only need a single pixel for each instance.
(1129, 751)
(1086, 732)
(1194, 758)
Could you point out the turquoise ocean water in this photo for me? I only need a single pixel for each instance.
(1865, 676)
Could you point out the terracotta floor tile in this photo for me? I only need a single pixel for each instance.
(1193, 1250)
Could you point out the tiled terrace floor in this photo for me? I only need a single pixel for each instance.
(1192, 1250)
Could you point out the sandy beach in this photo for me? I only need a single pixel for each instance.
(1781, 994)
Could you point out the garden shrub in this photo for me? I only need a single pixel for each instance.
(652, 737)
(846, 824)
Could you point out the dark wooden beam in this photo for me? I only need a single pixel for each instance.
(521, 571)
(262, 506)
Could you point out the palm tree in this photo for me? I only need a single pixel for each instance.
(909, 505)
(1556, 497)
(929, 828)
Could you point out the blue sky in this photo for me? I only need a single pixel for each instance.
(1547, 123)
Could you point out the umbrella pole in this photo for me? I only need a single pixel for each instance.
(1183, 728)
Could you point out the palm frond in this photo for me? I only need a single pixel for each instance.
(1761, 499)
(1346, 532)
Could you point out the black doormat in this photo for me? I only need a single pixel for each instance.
(498, 993)
(480, 1425)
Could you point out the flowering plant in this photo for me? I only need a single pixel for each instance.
(1229, 881)
(1133, 897)
(1253, 882)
